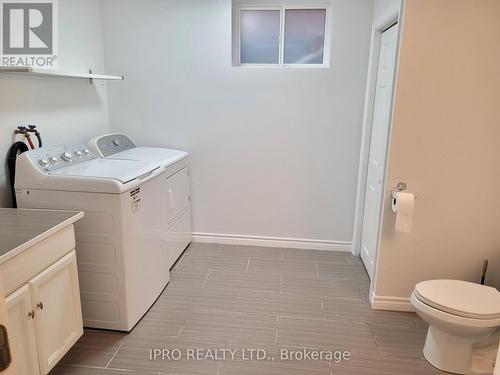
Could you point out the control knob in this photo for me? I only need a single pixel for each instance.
(53, 160)
(67, 156)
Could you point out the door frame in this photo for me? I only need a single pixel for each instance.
(380, 24)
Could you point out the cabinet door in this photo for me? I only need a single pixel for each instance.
(22, 332)
(55, 297)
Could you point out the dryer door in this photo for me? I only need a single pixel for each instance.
(179, 194)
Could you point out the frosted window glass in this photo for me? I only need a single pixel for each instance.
(304, 36)
(260, 31)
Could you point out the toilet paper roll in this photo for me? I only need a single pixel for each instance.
(403, 206)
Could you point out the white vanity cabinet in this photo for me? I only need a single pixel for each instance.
(43, 300)
(55, 311)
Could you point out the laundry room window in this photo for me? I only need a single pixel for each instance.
(260, 36)
(281, 35)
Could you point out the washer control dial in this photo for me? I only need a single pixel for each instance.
(43, 162)
(67, 156)
(53, 160)
(78, 154)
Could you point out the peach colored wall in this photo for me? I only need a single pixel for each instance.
(446, 145)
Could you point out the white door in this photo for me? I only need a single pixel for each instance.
(378, 147)
(22, 331)
(55, 296)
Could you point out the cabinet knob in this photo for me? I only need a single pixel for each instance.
(31, 315)
(40, 305)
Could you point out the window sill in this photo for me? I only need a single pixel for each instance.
(283, 66)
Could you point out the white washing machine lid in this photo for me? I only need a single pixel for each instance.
(120, 170)
(460, 298)
(162, 156)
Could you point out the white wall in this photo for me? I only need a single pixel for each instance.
(382, 7)
(445, 145)
(65, 110)
(275, 151)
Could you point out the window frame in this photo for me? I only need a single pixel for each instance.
(282, 8)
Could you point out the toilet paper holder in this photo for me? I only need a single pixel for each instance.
(401, 186)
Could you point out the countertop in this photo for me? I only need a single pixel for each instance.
(22, 228)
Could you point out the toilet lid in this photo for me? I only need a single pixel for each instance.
(460, 298)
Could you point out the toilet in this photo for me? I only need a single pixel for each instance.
(464, 324)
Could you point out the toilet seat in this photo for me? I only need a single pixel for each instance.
(460, 298)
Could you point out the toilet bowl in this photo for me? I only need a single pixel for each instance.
(464, 324)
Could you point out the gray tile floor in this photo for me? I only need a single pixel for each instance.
(241, 298)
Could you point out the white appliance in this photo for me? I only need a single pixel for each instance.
(176, 182)
(121, 243)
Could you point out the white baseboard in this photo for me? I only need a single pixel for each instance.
(391, 303)
(294, 243)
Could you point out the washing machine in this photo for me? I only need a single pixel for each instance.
(121, 241)
(176, 182)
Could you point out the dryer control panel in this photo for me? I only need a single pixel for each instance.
(109, 144)
(52, 158)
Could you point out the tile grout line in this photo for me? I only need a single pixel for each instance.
(375, 340)
(236, 302)
(276, 329)
(180, 330)
(248, 264)
(206, 278)
(180, 261)
(98, 367)
(276, 332)
(114, 355)
(326, 320)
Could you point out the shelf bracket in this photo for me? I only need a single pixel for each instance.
(91, 80)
